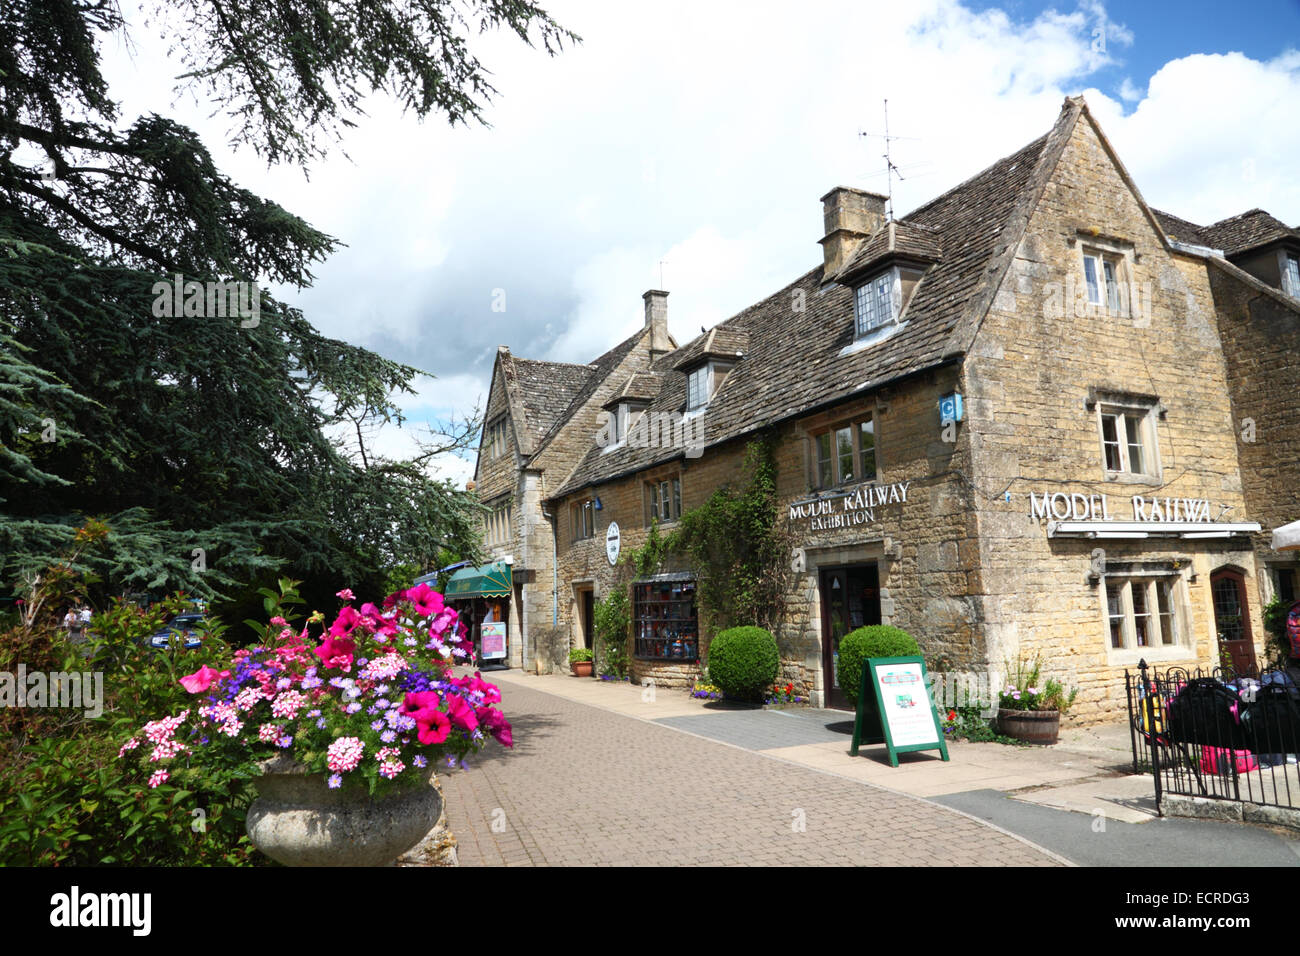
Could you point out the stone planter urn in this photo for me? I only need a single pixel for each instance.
(1031, 726)
(298, 820)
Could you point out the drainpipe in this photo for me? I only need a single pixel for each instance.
(555, 569)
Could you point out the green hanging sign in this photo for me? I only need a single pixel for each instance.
(895, 708)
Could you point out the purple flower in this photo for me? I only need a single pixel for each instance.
(335, 781)
(353, 707)
(383, 703)
(376, 725)
(321, 723)
(284, 742)
(314, 713)
(388, 736)
(420, 761)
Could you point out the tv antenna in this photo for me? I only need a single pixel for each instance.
(890, 169)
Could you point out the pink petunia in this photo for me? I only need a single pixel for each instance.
(496, 724)
(337, 652)
(202, 679)
(427, 601)
(346, 595)
(433, 728)
(461, 713)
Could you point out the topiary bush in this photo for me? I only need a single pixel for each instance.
(743, 661)
(876, 640)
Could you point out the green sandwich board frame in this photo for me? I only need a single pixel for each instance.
(871, 725)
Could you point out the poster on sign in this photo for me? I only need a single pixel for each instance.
(492, 640)
(895, 692)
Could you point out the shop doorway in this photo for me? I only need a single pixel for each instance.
(1232, 621)
(588, 599)
(850, 598)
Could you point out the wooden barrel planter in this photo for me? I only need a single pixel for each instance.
(1031, 726)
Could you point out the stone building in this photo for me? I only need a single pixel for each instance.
(1031, 416)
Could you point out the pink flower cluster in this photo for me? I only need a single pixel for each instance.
(345, 753)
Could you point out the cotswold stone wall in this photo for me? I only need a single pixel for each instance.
(1027, 380)
(1261, 344)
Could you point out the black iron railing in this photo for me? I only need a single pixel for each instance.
(1216, 734)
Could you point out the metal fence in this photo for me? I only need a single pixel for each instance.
(1216, 734)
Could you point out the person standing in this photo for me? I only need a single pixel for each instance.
(84, 620)
(69, 622)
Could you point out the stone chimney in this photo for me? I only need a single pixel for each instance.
(656, 320)
(851, 216)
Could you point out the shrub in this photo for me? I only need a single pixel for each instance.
(613, 624)
(876, 640)
(743, 661)
(579, 655)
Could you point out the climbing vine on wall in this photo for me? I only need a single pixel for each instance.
(739, 548)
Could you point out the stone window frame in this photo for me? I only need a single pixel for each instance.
(1183, 645)
(1121, 404)
(1289, 270)
(623, 419)
(1114, 296)
(497, 523)
(854, 423)
(494, 437)
(582, 519)
(652, 489)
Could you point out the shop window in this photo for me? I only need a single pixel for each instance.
(1286, 585)
(582, 515)
(1142, 612)
(663, 500)
(664, 620)
(1127, 441)
(1103, 281)
(845, 453)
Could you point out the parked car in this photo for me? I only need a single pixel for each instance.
(187, 624)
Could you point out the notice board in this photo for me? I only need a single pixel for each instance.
(895, 708)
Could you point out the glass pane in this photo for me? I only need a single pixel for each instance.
(1141, 614)
(824, 477)
(1112, 287)
(1165, 605)
(1136, 461)
(654, 503)
(1110, 443)
(1292, 276)
(844, 451)
(867, 446)
(665, 502)
(1091, 280)
(1115, 612)
(677, 497)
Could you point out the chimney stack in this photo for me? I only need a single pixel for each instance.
(850, 216)
(656, 320)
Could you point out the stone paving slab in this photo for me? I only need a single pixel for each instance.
(589, 786)
(763, 729)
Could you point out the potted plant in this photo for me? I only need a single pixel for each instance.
(580, 662)
(1031, 706)
(341, 728)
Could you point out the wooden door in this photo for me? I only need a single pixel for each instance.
(1232, 621)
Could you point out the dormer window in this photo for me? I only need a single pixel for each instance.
(1291, 275)
(878, 302)
(703, 382)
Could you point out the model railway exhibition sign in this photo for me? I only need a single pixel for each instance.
(846, 510)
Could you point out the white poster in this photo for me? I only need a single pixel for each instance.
(492, 636)
(905, 705)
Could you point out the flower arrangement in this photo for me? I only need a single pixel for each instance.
(706, 691)
(1027, 689)
(784, 695)
(372, 698)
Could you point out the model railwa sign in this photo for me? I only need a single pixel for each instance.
(845, 510)
(1075, 513)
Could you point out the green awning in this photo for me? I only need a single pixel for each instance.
(491, 580)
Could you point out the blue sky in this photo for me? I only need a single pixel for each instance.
(681, 133)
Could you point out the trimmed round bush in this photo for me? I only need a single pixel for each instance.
(743, 661)
(876, 640)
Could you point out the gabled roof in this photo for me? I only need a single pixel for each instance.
(724, 341)
(897, 240)
(640, 387)
(1232, 236)
(800, 352)
(544, 390)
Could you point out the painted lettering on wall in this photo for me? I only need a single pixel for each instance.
(856, 507)
(1063, 506)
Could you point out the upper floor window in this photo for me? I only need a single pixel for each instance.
(663, 500)
(877, 302)
(1103, 277)
(845, 453)
(703, 382)
(582, 516)
(1291, 276)
(1127, 441)
(1142, 612)
(497, 523)
(494, 439)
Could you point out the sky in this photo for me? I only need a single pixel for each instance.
(685, 145)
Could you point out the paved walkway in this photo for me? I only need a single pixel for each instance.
(588, 785)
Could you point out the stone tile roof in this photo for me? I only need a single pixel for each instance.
(639, 387)
(1234, 235)
(799, 356)
(722, 341)
(903, 239)
(598, 370)
(544, 391)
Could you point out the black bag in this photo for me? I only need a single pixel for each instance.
(1272, 720)
(1202, 713)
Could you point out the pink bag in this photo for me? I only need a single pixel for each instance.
(1243, 760)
